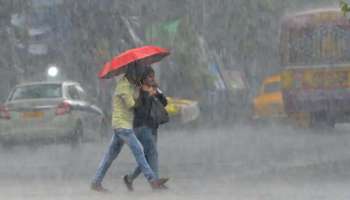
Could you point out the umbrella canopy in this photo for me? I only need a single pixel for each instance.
(145, 55)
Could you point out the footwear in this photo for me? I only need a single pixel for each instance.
(128, 183)
(98, 188)
(159, 184)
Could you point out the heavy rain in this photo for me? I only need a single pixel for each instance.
(257, 95)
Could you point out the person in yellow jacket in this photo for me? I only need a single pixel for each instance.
(122, 122)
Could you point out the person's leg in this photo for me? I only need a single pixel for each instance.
(112, 152)
(136, 148)
(146, 138)
(129, 178)
(152, 152)
(155, 161)
(137, 171)
(155, 134)
(155, 141)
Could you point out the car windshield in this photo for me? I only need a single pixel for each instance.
(37, 92)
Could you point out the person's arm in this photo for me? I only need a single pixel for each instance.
(161, 97)
(123, 92)
(128, 100)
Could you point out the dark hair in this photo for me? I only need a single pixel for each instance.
(135, 73)
(148, 70)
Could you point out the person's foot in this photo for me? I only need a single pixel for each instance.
(98, 188)
(128, 183)
(159, 184)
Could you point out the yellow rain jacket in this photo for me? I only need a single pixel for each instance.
(123, 104)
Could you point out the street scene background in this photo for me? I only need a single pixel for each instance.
(220, 53)
(230, 163)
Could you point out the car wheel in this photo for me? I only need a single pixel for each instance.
(77, 136)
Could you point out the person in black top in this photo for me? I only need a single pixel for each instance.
(145, 127)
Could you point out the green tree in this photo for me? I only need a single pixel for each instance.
(186, 74)
(344, 6)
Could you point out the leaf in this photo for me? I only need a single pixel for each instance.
(344, 7)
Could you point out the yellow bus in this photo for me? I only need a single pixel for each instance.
(315, 54)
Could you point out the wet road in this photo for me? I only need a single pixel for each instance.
(231, 163)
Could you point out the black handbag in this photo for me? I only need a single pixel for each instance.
(158, 112)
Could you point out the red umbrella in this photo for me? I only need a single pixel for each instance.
(145, 55)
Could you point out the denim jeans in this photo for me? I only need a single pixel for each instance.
(148, 138)
(120, 137)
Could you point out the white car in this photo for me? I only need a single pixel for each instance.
(49, 112)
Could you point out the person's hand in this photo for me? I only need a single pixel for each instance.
(151, 91)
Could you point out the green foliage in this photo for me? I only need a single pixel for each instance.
(344, 6)
(187, 70)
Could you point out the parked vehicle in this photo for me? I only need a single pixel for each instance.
(49, 112)
(315, 55)
(268, 104)
(182, 110)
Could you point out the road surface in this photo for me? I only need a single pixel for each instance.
(220, 163)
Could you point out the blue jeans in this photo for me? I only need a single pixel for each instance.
(120, 137)
(148, 138)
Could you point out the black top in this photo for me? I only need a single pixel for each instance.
(143, 107)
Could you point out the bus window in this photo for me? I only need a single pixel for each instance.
(320, 41)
